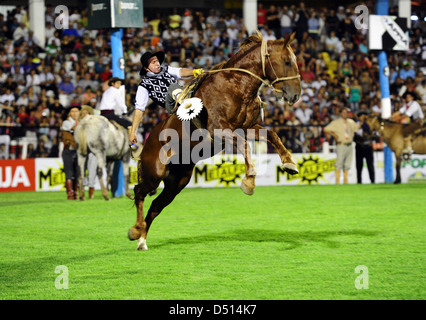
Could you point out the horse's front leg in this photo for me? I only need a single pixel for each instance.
(240, 143)
(81, 166)
(398, 168)
(287, 160)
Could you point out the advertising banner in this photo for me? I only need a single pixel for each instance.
(46, 174)
(17, 175)
(50, 176)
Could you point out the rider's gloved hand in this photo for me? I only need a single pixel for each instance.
(197, 72)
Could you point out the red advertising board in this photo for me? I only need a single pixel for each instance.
(17, 175)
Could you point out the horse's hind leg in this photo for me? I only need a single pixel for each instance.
(176, 180)
(104, 189)
(138, 231)
(287, 160)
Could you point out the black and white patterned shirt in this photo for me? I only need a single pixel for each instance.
(155, 86)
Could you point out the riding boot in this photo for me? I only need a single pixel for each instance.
(345, 176)
(337, 176)
(69, 189)
(75, 186)
(91, 193)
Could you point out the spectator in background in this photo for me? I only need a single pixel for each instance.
(364, 148)
(407, 71)
(66, 87)
(41, 151)
(261, 16)
(342, 130)
(20, 33)
(286, 22)
(301, 22)
(175, 19)
(355, 94)
(69, 154)
(304, 113)
(8, 98)
(33, 80)
(273, 21)
(3, 152)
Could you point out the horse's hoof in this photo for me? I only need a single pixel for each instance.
(82, 199)
(290, 168)
(246, 189)
(142, 245)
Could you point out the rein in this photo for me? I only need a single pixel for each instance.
(264, 55)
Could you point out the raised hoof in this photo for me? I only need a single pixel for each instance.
(247, 189)
(290, 168)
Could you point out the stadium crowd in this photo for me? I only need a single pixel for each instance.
(41, 78)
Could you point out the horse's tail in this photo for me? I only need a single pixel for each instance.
(82, 140)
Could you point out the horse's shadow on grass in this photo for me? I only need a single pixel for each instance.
(291, 239)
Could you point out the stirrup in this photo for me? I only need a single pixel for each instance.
(136, 150)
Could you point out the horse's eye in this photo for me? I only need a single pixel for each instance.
(287, 63)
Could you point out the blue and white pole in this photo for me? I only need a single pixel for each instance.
(118, 185)
(382, 8)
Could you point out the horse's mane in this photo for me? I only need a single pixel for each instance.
(255, 38)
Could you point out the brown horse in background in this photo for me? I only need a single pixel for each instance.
(393, 134)
(230, 97)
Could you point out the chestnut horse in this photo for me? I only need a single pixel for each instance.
(393, 134)
(229, 93)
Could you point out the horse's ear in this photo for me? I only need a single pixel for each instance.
(289, 39)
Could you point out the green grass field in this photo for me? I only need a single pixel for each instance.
(302, 242)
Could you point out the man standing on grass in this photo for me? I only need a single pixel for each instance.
(342, 130)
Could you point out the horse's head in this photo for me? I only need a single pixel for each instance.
(280, 67)
(374, 122)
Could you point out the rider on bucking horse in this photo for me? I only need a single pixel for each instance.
(411, 111)
(158, 83)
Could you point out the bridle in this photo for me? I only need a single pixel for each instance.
(264, 56)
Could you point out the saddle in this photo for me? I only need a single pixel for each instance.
(187, 93)
(189, 90)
